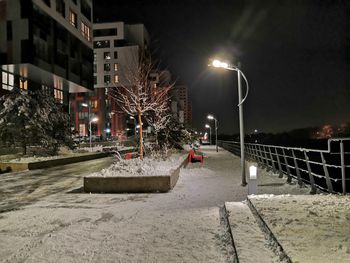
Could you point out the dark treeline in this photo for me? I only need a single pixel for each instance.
(314, 137)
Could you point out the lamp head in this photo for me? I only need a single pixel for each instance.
(94, 119)
(210, 117)
(219, 64)
(84, 105)
(207, 126)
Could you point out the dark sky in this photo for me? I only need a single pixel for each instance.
(295, 54)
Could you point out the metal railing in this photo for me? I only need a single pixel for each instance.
(327, 170)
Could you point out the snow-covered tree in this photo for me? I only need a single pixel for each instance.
(33, 119)
(138, 96)
(174, 135)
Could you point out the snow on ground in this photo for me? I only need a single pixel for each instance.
(249, 241)
(183, 225)
(147, 167)
(310, 228)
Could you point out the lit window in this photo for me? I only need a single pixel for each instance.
(115, 66)
(58, 90)
(73, 18)
(7, 80)
(116, 79)
(86, 31)
(107, 55)
(23, 84)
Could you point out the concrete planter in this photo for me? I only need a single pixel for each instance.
(133, 184)
(16, 167)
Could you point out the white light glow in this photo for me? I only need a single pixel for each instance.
(216, 63)
(253, 172)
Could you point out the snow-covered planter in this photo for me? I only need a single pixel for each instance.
(39, 163)
(137, 176)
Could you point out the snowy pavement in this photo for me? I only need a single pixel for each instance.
(184, 225)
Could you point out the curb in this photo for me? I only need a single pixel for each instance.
(276, 246)
(227, 223)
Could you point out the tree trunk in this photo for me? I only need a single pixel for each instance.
(24, 148)
(156, 135)
(140, 135)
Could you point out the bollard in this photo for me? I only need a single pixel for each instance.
(253, 180)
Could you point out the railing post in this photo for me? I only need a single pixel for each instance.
(256, 158)
(249, 154)
(258, 154)
(272, 161)
(311, 177)
(325, 170)
(297, 171)
(342, 162)
(289, 178)
(280, 171)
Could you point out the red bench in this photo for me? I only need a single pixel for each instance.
(192, 157)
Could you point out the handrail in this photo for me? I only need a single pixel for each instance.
(305, 165)
(301, 149)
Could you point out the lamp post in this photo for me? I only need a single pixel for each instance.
(133, 118)
(219, 64)
(87, 105)
(211, 117)
(91, 121)
(208, 127)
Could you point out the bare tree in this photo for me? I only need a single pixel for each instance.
(138, 96)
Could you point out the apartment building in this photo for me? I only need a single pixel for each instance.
(46, 44)
(181, 104)
(117, 48)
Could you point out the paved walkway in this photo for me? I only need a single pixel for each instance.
(184, 225)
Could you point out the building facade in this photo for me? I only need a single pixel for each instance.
(117, 47)
(181, 106)
(46, 45)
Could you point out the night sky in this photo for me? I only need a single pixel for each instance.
(295, 54)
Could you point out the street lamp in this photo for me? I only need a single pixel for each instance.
(91, 121)
(133, 118)
(87, 105)
(211, 117)
(219, 64)
(208, 127)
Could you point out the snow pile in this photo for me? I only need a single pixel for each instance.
(34, 159)
(96, 148)
(147, 167)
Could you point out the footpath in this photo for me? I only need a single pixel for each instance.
(205, 218)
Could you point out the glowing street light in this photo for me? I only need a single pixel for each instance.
(208, 127)
(219, 64)
(211, 117)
